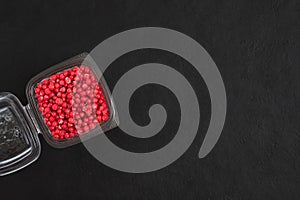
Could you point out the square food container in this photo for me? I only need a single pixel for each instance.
(67, 103)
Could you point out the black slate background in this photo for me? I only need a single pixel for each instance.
(255, 44)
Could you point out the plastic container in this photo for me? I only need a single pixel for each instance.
(20, 125)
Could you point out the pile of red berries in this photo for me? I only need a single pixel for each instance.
(71, 102)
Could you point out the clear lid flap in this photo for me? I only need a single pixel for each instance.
(19, 143)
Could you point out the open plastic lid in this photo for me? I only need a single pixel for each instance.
(19, 143)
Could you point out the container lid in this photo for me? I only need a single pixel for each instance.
(19, 143)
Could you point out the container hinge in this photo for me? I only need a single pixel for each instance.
(33, 119)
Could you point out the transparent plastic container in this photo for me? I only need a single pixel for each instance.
(20, 125)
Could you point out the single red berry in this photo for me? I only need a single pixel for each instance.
(47, 110)
(54, 107)
(62, 89)
(59, 101)
(71, 120)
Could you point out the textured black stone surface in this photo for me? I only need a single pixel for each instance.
(255, 44)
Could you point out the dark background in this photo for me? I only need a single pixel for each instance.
(255, 45)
